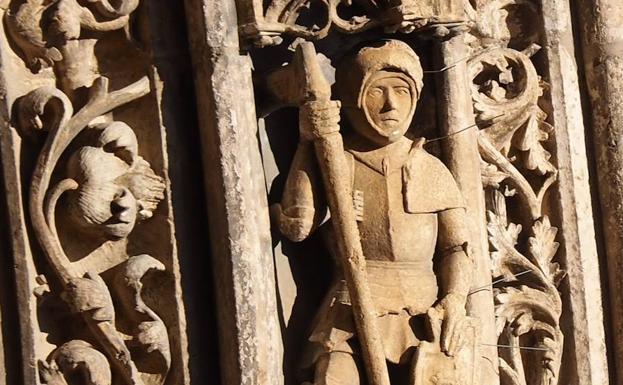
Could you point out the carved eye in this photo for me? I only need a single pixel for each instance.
(402, 91)
(375, 92)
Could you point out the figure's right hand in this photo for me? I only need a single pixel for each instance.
(318, 119)
(90, 294)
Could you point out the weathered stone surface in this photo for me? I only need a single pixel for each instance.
(602, 50)
(100, 146)
(583, 309)
(85, 169)
(236, 198)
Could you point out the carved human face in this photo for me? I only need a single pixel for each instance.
(103, 204)
(116, 187)
(388, 104)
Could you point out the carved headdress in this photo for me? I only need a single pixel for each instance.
(356, 72)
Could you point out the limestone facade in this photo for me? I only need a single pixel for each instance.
(311, 192)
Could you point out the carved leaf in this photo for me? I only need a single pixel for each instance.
(543, 248)
(491, 175)
(529, 138)
(525, 309)
(503, 239)
(151, 335)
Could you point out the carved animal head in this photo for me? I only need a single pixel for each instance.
(116, 187)
(379, 88)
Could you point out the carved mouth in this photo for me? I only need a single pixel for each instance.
(117, 220)
(390, 117)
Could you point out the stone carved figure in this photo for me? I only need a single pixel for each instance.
(410, 219)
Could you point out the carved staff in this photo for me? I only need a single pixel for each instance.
(329, 150)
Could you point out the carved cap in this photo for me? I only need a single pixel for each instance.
(354, 73)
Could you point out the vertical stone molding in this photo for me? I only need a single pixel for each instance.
(602, 50)
(240, 239)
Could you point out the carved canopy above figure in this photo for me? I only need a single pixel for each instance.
(264, 25)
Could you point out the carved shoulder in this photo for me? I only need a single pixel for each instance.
(428, 185)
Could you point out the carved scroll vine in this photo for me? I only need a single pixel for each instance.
(88, 191)
(265, 24)
(107, 188)
(507, 94)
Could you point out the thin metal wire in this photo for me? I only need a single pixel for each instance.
(517, 347)
(459, 131)
(446, 67)
(449, 135)
(486, 287)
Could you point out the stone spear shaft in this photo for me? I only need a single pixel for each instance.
(329, 150)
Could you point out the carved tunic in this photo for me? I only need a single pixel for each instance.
(402, 194)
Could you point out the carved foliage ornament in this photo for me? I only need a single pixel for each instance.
(507, 95)
(265, 24)
(62, 34)
(89, 190)
(108, 189)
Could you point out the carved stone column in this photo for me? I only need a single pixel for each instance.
(583, 317)
(602, 44)
(236, 198)
(461, 154)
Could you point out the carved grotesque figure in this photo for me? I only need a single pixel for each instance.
(116, 187)
(410, 216)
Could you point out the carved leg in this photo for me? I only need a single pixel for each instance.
(337, 368)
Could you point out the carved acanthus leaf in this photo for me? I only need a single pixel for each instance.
(529, 138)
(150, 333)
(503, 239)
(525, 309)
(491, 175)
(543, 248)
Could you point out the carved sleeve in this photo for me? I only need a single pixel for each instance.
(302, 205)
(455, 266)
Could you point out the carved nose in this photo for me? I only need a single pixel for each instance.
(390, 101)
(122, 203)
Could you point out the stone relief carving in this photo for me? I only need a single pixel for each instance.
(89, 191)
(383, 287)
(109, 188)
(508, 96)
(62, 34)
(264, 23)
(510, 108)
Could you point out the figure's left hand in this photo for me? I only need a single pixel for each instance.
(451, 312)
